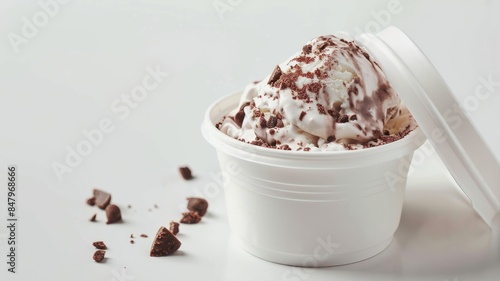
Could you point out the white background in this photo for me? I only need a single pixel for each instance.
(65, 78)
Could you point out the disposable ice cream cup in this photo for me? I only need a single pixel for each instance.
(311, 209)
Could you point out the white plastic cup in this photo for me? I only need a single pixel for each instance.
(311, 209)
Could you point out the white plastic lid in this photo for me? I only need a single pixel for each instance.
(456, 140)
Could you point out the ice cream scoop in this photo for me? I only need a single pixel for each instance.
(329, 96)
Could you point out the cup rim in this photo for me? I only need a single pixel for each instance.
(412, 141)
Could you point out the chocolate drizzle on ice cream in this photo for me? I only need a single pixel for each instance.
(329, 96)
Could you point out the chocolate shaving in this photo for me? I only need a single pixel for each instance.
(275, 75)
(307, 49)
(302, 114)
(239, 117)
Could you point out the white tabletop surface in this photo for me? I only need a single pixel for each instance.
(66, 73)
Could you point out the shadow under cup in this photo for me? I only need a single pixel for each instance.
(311, 209)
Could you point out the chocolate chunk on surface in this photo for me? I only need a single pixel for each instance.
(91, 201)
(99, 255)
(275, 75)
(144, 236)
(100, 245)
(190, 217)
(186, 173)
(102, 198)
(198, 205)
(174, 227)
(164, 243)
(113, 214)
(93, 218)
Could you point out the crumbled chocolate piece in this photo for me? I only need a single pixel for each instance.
(99, 245)
(386, 132)
(333, 113)
(132, 235)
(284, 147)
(91, 201)
(174, 227)
(165, 243)
(330, 139)
(353, 117)
(93, 218)
(321, 109)
(99, 255)
(275, 75)
(239, 117)
(307, 148)
(190, 217)
(271, 123)
(343, 119)
(156, 206)
(198, 205)
(272, 131)
(129, 206)
(389, 139)
(280, 124)
(302, 114)
(113, 214)
(185, 173)
(263, 122)
(322, 46)
(102, 198)
(132, 241)
(307, 49)
(144, 236)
